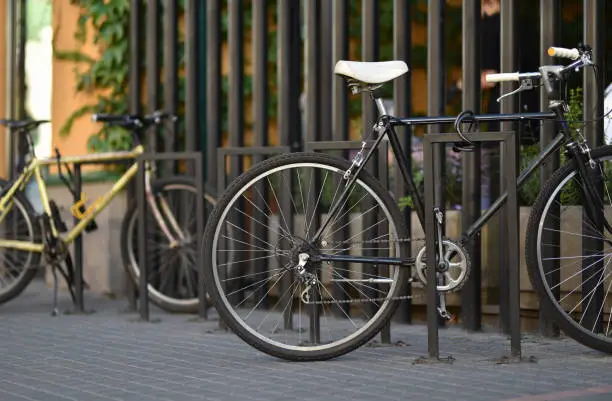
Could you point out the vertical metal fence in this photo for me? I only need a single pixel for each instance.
(194, 61)
(224, 106)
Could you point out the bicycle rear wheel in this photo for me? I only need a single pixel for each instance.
(569, 254)
(276, 293)
(173, 274)
(18, 267)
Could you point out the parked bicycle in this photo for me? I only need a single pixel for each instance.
(28, 241)
(322, 246)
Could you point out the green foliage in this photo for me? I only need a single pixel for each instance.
(108, 74)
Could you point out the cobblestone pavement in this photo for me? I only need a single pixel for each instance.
(109, 355)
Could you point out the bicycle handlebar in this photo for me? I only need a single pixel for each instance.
(133, 121)
(561, 52)
(581, 57)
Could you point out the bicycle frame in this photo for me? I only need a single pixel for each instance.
(33, 169)
(389, 124)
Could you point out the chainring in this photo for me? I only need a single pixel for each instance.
(456, 258)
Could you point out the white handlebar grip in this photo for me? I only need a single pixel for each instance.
(502, 77)
(572, 54)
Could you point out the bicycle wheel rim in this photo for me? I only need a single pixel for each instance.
(217, 280)
(571, 325)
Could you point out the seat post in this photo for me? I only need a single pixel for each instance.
(382, 110)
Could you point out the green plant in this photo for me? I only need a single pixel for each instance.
(106, 75)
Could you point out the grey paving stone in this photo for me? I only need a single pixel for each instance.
(109, 356)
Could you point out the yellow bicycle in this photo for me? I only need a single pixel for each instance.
(29, 240)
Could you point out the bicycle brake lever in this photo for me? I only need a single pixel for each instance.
(526, 84)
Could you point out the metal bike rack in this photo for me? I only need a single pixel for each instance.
(196, 158)
(508, 139)
(77, 182)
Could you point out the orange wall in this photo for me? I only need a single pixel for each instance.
(65, 99)
(2, 87)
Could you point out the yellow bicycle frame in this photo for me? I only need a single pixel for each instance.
(33, 169)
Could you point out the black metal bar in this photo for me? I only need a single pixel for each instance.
(592, 290)
(313, 126)
(436, 86)
(135, 107)
(78, 244)
(135, 70)
(549, 36)
(170, 36)
(260, 131)
(514, 304)
(340, 132)
(507, 63)
(429, 160)
(198, 166)
(236, 79)
(153, 70)
(143, 291)
(192, 68)
(289, 119)
(436, 90)
(213, 88)
(402, 89)
(477, 118)
(260, 72)
(471, 302)
(313, 71)
(369, 52)
(325, 69)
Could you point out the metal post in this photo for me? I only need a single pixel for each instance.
(170, 36)
(369, 52)
(549, 17)
(436, 90)
(78, 246)
(429, 161)
(192, 68)
(325, 69)
(471, 200)
(313, 72)
(592, 289)
(135, 107)
(289, 119)
(213, 87)
(402, 45)
(260, 131)
(340, 132)
(152, 55)
(507, 63)
(142, 242)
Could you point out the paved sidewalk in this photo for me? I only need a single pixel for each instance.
(109, 356)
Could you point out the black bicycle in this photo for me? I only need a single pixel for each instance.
(319, 246)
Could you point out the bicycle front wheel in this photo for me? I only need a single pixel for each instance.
(569, 252)
(280, 292)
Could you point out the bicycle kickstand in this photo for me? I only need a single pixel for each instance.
(55, 311)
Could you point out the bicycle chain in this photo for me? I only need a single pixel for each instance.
(374, 241)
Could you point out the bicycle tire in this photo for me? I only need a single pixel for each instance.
(24, 279)
(535, 268)
(163, 301)
(293, 353)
